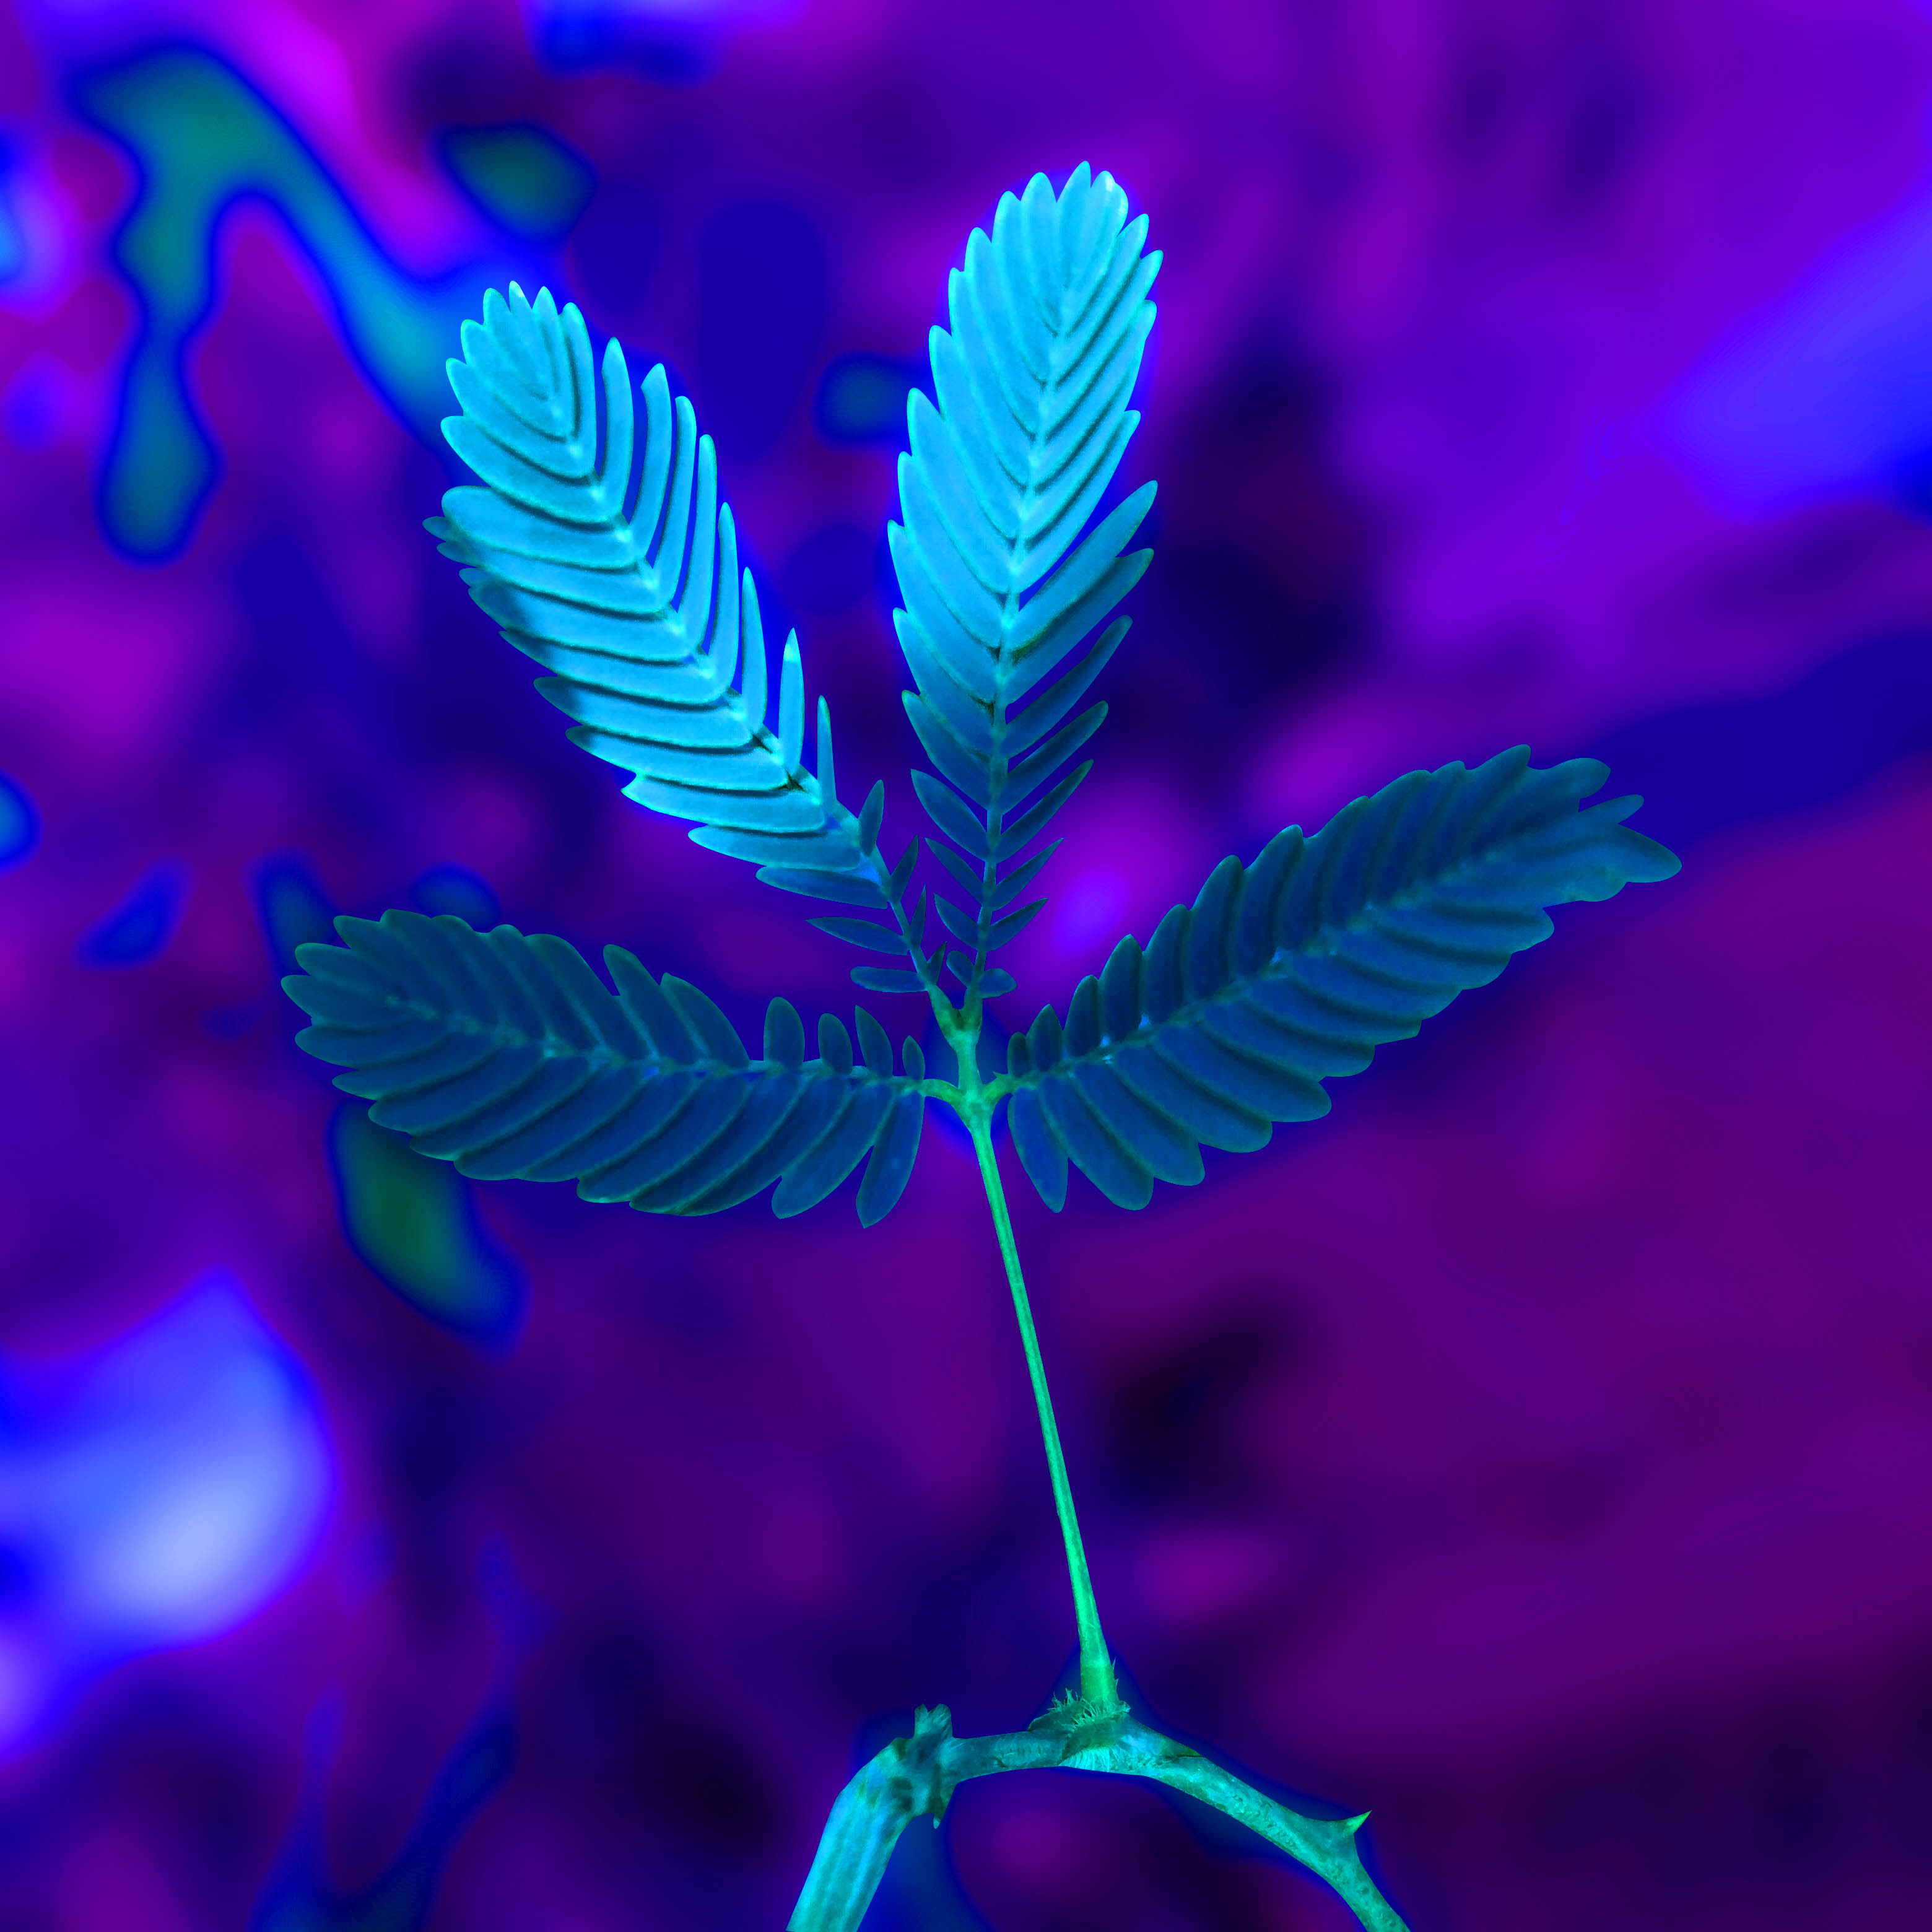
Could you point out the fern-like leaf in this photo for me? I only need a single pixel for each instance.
(509, 1056)
(1049, 316)
(607, 557)
(1292, 971)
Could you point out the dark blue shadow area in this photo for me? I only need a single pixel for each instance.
(201, 137)
(832, 570)
(761, 310)
(615, 248)
(300, 1897)
(1710, 766)
(861, 399)
(304, 686)
(139, 927)
(413, 1221)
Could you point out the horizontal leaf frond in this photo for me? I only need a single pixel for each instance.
(1293, 970)
(508, 1055)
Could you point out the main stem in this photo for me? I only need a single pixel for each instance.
(1097, 1667)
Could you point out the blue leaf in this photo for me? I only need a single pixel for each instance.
(509, 1056)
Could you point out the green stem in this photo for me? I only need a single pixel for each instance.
(1097, 1686)
(915, 1776)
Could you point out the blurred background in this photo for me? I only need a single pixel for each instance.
(1537, 1452)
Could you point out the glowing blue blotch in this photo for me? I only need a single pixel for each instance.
(19, 824)
(521, 175)
(676, 43)
(412, 1221)
(13, 249)
(456, 888)
(1830, 387)
(169, 1491)
(141, 925)
(202, 138)
(293, 907)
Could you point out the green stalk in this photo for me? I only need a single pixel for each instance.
(1097, 1687)
(915, 1776)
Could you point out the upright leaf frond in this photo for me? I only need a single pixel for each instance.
(602, 548)
(509, 1056)
(1293, 970)
(1049, 316)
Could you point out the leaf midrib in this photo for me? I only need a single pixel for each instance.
(640, 567)
(1321, 944)
(1010, 605)
(602, 1058)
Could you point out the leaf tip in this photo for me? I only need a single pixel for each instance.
(870, 814)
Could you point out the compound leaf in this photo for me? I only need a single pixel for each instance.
(1293, 970)
(509, 1056)
(602, 547)
(1049, 316)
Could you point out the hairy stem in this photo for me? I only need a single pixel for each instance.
(1097, 1686)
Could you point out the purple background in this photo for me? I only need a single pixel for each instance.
(1537, 1451)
